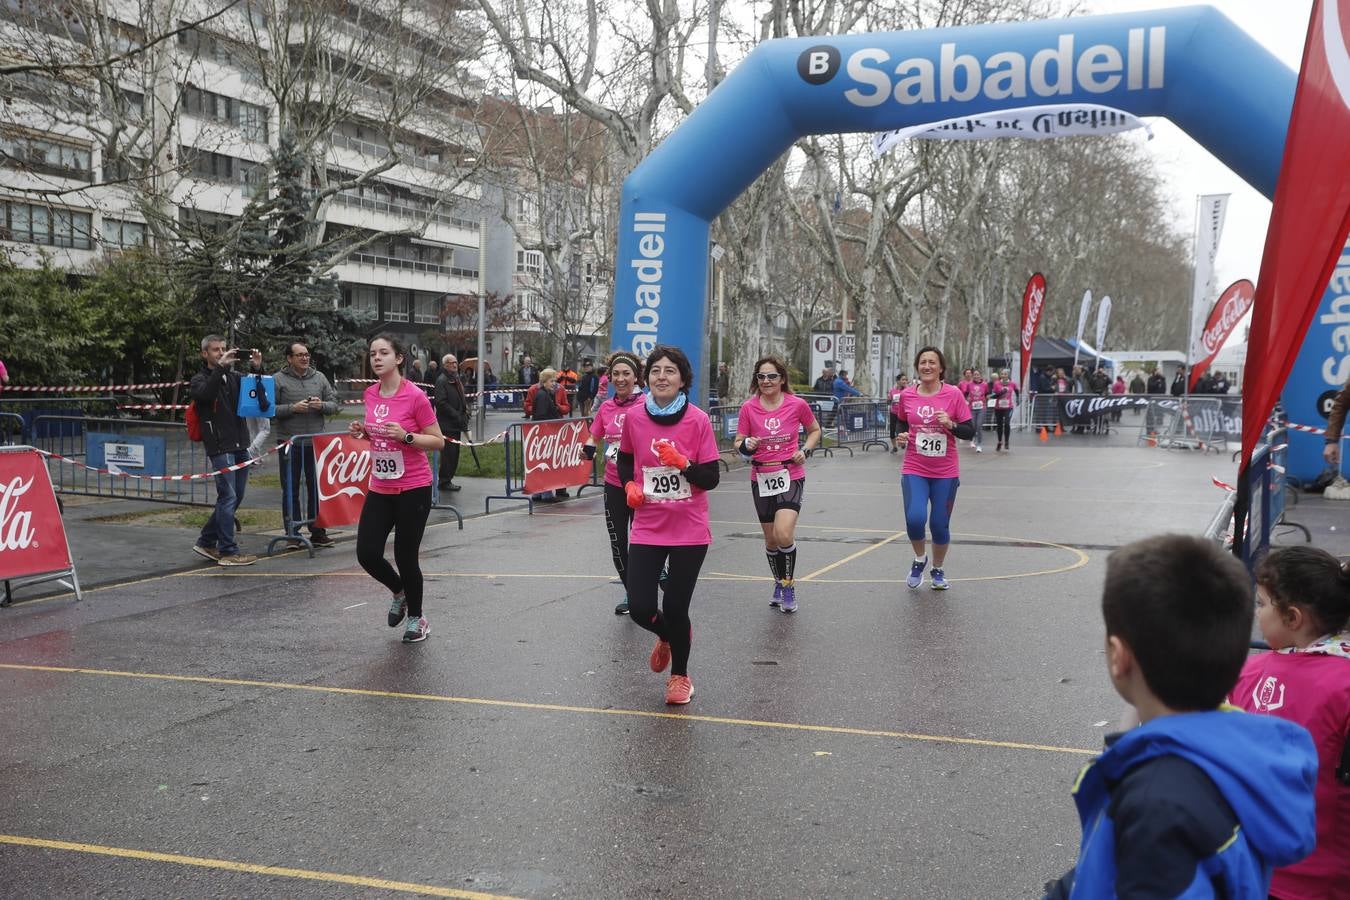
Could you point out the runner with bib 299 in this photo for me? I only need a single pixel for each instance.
(933, 416)
(766, 434)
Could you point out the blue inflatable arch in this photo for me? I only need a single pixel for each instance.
(1191, 65)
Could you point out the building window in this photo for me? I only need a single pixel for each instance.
(251, 118)
(34, 224)
(204, 221)
(529, 262)
(396, 306)
(46, 156)
(424, 310)
(253, 122)
(361, 299)
(119, 233)
(527, 210)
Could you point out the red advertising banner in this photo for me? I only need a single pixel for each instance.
(1033, 304)
(32, 535)
(553, 457)
(343, 467)
(1228, 310)
(1309, 219)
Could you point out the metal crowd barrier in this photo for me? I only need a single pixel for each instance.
(863, 422)
(514, 451)
(1266, 481)
(133, 445)
(301, 514)
(1194, 423)
(12, 429)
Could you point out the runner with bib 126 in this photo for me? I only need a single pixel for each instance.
(766, 434)
(933, 416)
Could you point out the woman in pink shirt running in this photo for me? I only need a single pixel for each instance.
(607, 426)
(668, 462)
(766, 434)
(401, 427)
(933, 417)
(1303, 610)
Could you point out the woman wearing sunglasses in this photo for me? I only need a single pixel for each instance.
(766, 434)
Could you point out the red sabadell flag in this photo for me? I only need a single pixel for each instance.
(1228, 310)
(1309, 220)
(1033, 304)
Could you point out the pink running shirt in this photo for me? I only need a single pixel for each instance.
(894, 396)
(977, 392)
(410, 408)
(669, 523)
(777, 431)
(932, 448)
(1312, 689)
(607, 426)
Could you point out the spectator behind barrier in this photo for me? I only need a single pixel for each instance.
(215, 393)
(305, 401)
(1195, 796)
(825, 383)
(842, 388)
(543, 401)
(452, 415)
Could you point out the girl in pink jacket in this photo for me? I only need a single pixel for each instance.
(1303, 607)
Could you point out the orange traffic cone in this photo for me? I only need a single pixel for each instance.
(1058, 430)
(1045, 436)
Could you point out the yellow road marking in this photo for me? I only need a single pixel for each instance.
(551, 707)
(852, 556)
(384, 884)
(1049, 464)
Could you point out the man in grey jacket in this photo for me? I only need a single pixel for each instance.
(304, 400)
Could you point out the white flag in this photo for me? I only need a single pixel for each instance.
(1209, 228)
(1082, 322)
(1103, 319)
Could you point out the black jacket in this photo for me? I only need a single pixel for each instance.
(1179, 385)
(215, 391)
(1157, 383)
(451, 408)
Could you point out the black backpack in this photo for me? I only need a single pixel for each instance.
(545, 406)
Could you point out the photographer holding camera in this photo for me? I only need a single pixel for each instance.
(304, 400)
(215, 394)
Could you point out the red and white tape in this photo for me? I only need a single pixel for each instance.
(152, 406)
(196, 476)
(1306, 428)
(89, 389)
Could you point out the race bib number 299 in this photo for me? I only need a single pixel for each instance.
(663, 484)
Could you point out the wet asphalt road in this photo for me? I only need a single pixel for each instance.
(879, 743)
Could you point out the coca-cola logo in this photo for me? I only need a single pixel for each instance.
(1036, 296)
(342, 473)
(16, 525)
(1334, 45)
(547, 449)
(1230, 309)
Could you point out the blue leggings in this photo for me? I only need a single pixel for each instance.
(918, 491)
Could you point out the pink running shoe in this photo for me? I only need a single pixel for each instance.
(660, 660)
(678, 690)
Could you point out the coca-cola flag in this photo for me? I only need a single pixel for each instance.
(1033, 304)
(343, 467)
(553, 456)
(1309, 220)
(1228, 310)
(32, 535)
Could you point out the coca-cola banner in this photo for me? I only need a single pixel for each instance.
(553, 457)
(1228, 310)
(343, 467)
(32, 535)
(1033, 304)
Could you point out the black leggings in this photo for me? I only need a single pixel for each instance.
(671, 622)
(406, 515)
(618, 519)
(1002, 432)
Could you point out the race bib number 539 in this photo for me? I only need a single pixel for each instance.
(386, 464)
(663, 484)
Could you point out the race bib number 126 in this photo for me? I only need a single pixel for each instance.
(771, 484)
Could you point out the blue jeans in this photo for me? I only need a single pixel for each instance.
(218, 532)
(918, 493)
(295, 461)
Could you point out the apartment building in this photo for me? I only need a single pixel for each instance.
(183, 131)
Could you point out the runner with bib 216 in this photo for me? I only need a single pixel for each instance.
(933, 416)
(766, 434)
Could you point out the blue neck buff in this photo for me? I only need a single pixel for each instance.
(674, 406)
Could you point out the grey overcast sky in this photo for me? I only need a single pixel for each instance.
(1190, 169)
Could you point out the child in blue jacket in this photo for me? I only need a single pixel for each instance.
(1197, 801)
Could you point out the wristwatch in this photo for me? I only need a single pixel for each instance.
(408, 437)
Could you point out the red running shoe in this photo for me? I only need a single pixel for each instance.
(660, 660)
(678, 690)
